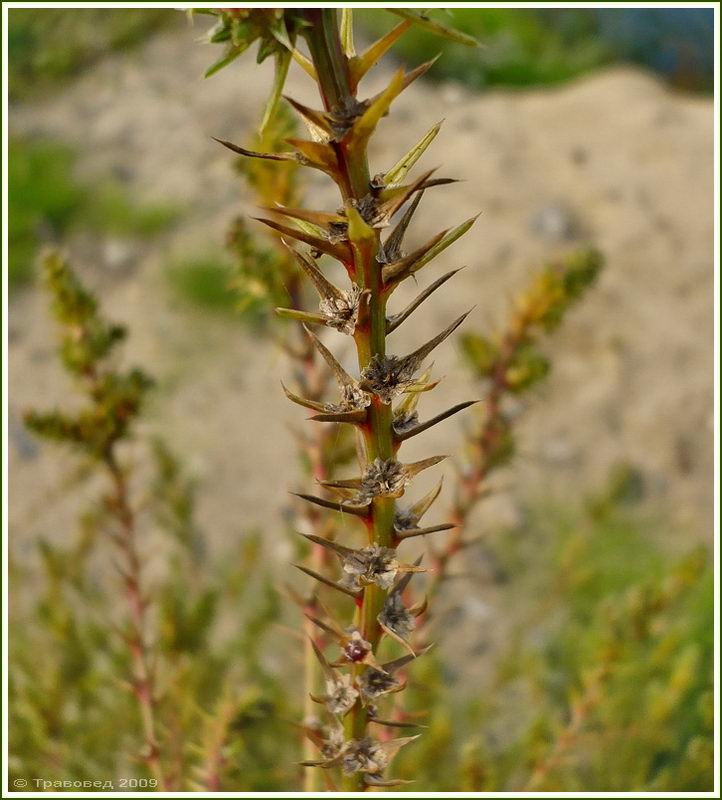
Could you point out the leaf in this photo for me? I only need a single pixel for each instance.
(421, 427)
(411, 532)
(390, 250)
(365, 125)
(359, 66)
(283, 60)
(253, 154)
(327, 581)
(316, 154)
(415, 467)
(225, 60)
(347, 32)
(302, 401)
(339, 372)
(420, 507)
(301, 316)
(344, 552)
(317, 120)
(420, 19)
(394, 197)
(449, 237)
(422, 352)
(323, 286)
(393, 322)
(344, 508)
(339, 251)
(359, 231)
(401, 168)
(304, 63)
(321, 219)
(397, 271)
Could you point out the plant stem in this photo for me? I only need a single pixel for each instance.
(332, 69)
(143, 678)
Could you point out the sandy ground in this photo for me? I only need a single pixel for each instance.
(615, 159)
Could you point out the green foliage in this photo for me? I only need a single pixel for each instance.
(605, 682)
(75, 710)
(540, 309)
(47, 46)
(48, 202)
(238, 28)
(71, 717)
(87, 340)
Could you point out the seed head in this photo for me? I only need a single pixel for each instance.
(364, 755)
(341, 309)
(383, 479)
(396, 618)
(341, 694)
(373, 683)
(334, 743)
(372, 564)
(356, 647)
(389, 376)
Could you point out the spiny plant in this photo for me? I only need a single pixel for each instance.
(509, 366)
(374, 576)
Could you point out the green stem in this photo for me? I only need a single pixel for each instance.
(331, 66)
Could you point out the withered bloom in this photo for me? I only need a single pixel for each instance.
(383, 479)
(373, 683)
(341, 694)
(389, 376)
(373, 564)
(371, 757)
(356, 648)
(341, 309)
(334, 743)
(396, 619)
(370, 564)
(364, 755)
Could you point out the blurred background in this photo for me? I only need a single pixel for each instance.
(569, 127)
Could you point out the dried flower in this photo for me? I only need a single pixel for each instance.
(364, 755)
(340, 694)
(334, 743)
(383, 479)
(373, 683)
(341, 311)
(396, 618)
(356, 648)
(389, 376)
(372, 564)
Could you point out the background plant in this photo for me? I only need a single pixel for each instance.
(159, 685)
(474, 740)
